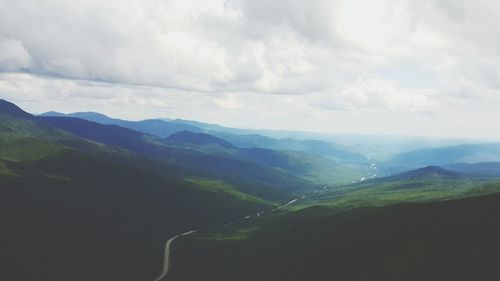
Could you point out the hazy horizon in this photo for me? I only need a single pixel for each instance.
(329, 140)
(409, 68)
(305, 132)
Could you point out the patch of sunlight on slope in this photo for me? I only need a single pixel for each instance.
(233, 234)
(5, 171)
(26, 148)
(387, 194)
(219, 186)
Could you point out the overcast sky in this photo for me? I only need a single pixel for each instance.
(376, 66)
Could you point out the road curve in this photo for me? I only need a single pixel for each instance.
(168, 244)
(166, 259)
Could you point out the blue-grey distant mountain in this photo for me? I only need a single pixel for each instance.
(239, 137)
(484, 169)
(298, 163)
(466, 153)
(279, 140)
(187, 137)
(345, 147)
(190, 150)
(13, 110)
(252, 177)
(383, 147)
(422, 174)
(107, 134)
(318, 147)
(160, 128)
(207, 127)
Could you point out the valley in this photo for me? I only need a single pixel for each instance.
(249, 140)
(158, 200)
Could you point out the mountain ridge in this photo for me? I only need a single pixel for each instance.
(189, 137)
(239, 137)
(157, 127)
(11, 109)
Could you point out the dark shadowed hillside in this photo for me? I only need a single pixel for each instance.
(74, 209)
(109, 197)
(187, 137)
(453, 240)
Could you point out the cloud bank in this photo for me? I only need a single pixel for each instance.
(317, 60)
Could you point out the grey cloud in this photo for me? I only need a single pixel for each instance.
(375, 93)
(13, 55)
(314, 58)
(209, 45)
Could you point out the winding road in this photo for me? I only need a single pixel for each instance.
(166, 260)
(168, 244)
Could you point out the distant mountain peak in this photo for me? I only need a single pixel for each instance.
(432, 169)
(52, 113)
(13, 110)
(76, 114)
(188, 137)
(427, 172)
(89, 114)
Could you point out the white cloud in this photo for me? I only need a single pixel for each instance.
(305, 61)
(375, 93)
(229, 102)
(13, 55)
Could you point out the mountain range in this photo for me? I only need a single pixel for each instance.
(242, 138)
(87, 197)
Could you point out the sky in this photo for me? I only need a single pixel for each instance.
(401, 67)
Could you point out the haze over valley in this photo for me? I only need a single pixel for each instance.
(249, 140)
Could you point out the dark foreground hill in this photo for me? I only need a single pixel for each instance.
(75, 209)
(451, 240)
